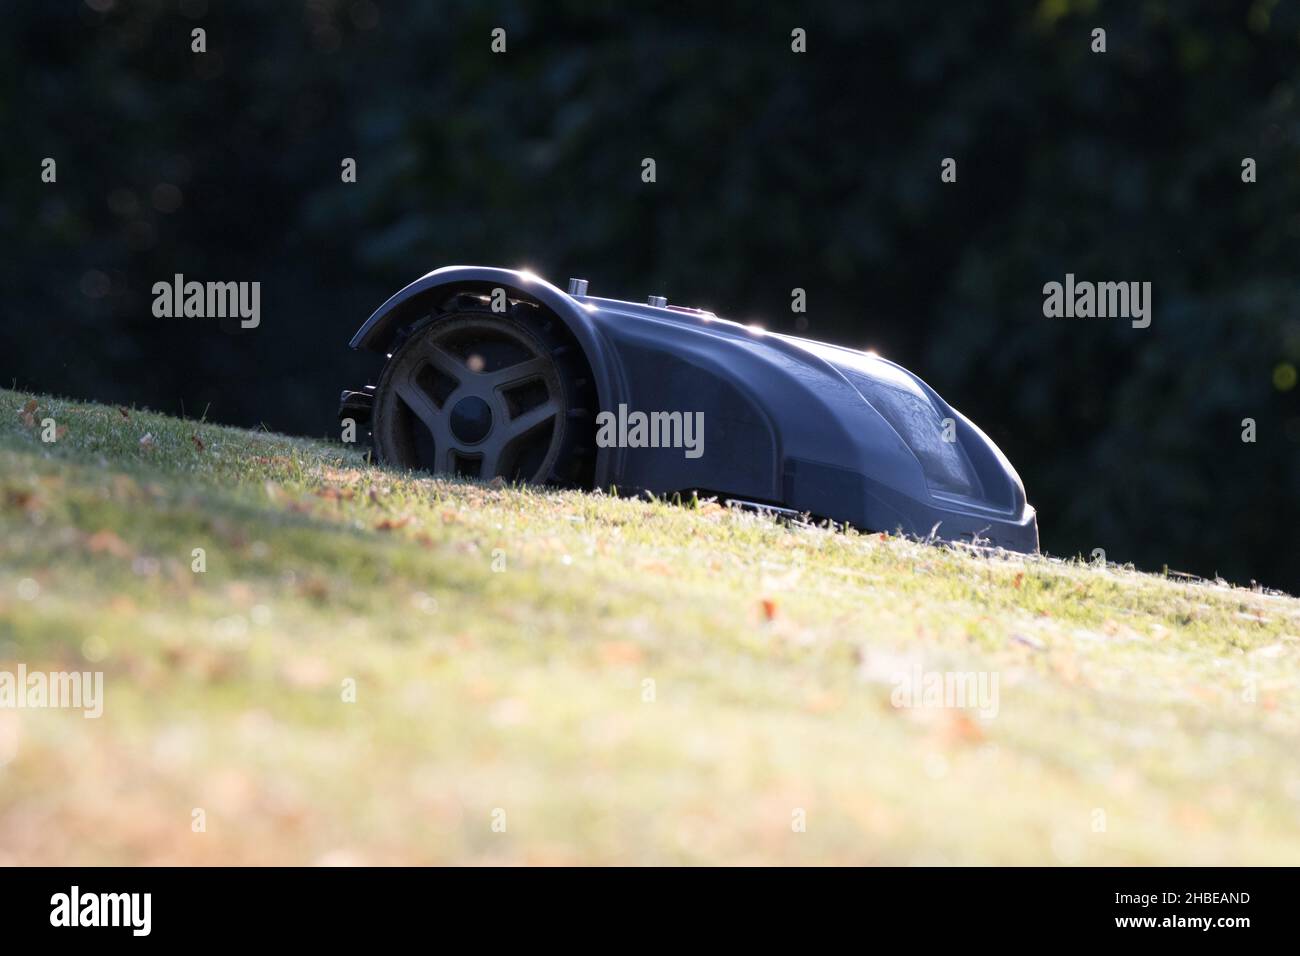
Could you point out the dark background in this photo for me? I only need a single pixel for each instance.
(775, 170)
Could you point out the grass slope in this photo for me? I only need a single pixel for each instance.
(631, 682)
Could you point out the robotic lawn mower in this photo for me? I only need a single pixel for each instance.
(496, 372)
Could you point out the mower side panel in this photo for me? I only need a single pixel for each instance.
(785, 424)
(781, 427)
(668, 367)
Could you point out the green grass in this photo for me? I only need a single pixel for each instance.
(1140, 719)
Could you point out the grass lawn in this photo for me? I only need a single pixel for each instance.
(380, 668)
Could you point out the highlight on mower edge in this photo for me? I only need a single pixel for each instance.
(497, 373)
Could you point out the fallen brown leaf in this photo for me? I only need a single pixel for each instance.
(335, 494)
(615, 653)
(822, 702)
(311, 673)
(21, 498)
(106, 541)
(962, 729)
(316, 588)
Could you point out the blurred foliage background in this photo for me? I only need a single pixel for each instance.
(776, 170)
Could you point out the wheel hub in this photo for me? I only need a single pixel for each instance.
(471, 420)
